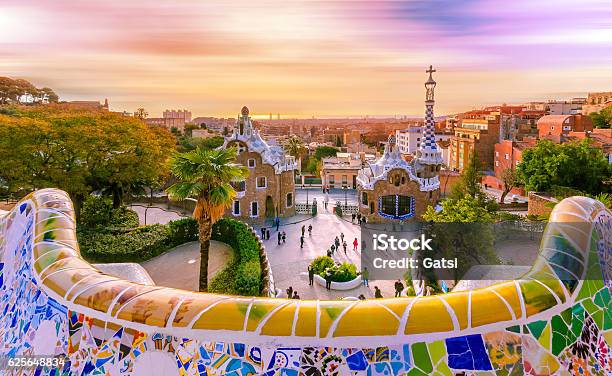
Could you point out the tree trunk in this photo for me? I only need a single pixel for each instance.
(117, 196)
(504, 194)
(205, 230)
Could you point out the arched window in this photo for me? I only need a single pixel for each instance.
(289, 199)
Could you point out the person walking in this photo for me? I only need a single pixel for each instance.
(344, 246)
(302, 241)
(280, 237)
(341, 236)
(284, 237)
(365, 275)
(309, 230)
(337, 242)
(267, 234)
(263, 233)
(361, 297)
(355, 244)
(310, 275)
(359, 218)
(328, 280)
(377, 293)
(277, 222)
(333, 249)
(295, 295)
(290, 292)
(303, 229)
(353, 218)
(399, 287)
(329, 253)
(325, 202)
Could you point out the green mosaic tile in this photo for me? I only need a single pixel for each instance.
(577, 319)
(545, 338)
(437, 351)
(421, 358)
(559, 335)
(598, 317)
(514, 329)
(443, 369)
(590, 307)
(537, 327)
(602, 298)
(590, 288)
(416, 372)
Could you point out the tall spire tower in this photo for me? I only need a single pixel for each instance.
(429, 153)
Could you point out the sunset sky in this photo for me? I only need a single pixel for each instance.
(305, 58)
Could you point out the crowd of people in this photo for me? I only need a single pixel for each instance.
(340, 243)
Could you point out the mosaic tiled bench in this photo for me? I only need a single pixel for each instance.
(557, 319)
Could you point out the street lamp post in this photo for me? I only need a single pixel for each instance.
(303, 187)
(345, 188)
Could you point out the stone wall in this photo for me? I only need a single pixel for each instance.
(539, 204)
(278, 185)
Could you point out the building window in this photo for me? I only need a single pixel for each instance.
(289, 199)
(497, 154)
(364, 198)
(496, 163)
(262, 182)
(251, 163)
(236, 207)
(507, 156)
(344, 180)
(396, 207)
(332, 180)
(254, 209)
(239, 186)
(552, 128)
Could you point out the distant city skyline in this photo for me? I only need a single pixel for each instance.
(308, 58)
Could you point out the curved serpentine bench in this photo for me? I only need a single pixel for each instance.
(55, 303)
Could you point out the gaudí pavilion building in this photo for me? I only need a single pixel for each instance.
(394, 189)
(269, 190)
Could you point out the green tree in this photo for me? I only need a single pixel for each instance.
(80, 151)
(576, 165)
(12, 89)
(205, 175)
(510, 179)
(295, 147)
(325, 151)
(462, 229)
(603, 118)
(470, 185)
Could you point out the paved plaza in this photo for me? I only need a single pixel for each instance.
(290, 262)
(179, 267)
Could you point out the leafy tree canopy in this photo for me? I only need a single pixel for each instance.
(79, 151)
(603, 118)
(575, 165)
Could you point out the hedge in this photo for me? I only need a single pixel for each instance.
(138, 245)
(243, 274)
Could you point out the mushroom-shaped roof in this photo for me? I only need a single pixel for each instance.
(245, 111)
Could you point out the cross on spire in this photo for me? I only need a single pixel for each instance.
(430, 70)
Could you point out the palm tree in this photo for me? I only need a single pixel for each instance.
(205, 175)
(295, 147)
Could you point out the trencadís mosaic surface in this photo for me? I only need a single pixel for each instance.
(556, 320)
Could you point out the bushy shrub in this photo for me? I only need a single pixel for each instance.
(123, 218)
(137, 245)
(96, 211)
(183, 230)
(321, 263)
(339, 272)
(243, 275)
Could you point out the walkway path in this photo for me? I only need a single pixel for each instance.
(290, 263)
(179, 267)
